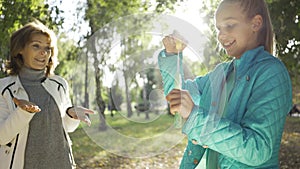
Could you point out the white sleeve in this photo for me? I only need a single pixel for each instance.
(11, 121)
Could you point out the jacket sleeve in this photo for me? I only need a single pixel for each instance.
(168, 69)
(193, 153)
(69, 123)
(11, 121)
(252, 140)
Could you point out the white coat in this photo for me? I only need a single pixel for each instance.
(14, 122)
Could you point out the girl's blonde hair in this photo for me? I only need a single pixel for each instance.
(21, 37)
(259, 7)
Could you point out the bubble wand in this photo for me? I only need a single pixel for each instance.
(178, 120)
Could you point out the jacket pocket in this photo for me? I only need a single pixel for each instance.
(6, 154)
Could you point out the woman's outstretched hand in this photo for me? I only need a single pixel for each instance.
(81, 113)
(26, 105)
(180, 101)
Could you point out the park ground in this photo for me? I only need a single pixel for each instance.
(89, 155)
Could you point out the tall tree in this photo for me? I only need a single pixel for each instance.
(100, 14)
(135, 44)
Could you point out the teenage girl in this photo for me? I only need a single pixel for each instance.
(236, 113)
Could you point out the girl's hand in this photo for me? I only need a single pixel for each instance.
(26, 105)
(81, 114)
(174, 43)
(180, 101)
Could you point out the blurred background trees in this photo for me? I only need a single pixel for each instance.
(285, 18)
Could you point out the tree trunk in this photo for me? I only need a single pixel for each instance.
(99, 99)
(128, 100)
(145, 99)
(86, 95)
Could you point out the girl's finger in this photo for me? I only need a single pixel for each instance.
(173, 94)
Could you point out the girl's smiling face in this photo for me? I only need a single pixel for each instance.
(37, 52)
(236, 32)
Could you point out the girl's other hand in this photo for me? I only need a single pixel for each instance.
(180, 101)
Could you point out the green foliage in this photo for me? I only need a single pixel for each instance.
(101, 12)
(67, 57)
(162, 5)
(213, 53)
(285, 18)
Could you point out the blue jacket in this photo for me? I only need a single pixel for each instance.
(247, 131)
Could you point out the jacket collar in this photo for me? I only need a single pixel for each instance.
(17, 86)
(250, 58)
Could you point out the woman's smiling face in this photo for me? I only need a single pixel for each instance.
(36, 52)
(235, 30)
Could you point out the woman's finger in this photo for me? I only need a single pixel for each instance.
(26, 105)
(83, 110)
(87, 121)
(88, 111)
(16, 101)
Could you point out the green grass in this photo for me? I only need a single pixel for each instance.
(135, 126)
(138, 126)
(89, 154)
(125, 136)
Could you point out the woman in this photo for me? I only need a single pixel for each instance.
(36, 113)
